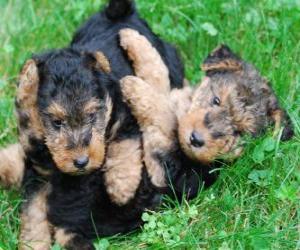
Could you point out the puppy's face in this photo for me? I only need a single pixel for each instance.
(223, 106)
(208, 131)
(75, 109)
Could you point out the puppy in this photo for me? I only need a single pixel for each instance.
(157, 109)
(207, 121)
(73, 124)
(232, 100)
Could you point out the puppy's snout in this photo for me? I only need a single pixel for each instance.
(196, 139)
(81, 162)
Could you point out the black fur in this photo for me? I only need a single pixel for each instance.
(80, 204)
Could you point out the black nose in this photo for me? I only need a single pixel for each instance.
(81, 162)
(196, 139)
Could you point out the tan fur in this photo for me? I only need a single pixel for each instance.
(149, 98)
(181, 100)
(109, 106)
(212, 148)
(12, 165)
(147, 62)
(64, 157)
(62, 237)
(277, 116)
(123, 168)
(114, 129)
(102, 62)
(57, 111)
(35, 229)
(156, 119)
(27, 98)
(42, 171)
(91, 106)
(227, 64)
(238, 102)
(28, 84)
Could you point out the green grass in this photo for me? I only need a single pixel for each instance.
(255, 202)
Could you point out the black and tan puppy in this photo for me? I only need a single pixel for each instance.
(206, 121)
(232, 100)
(73, 124)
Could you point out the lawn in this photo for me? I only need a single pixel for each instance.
(255, 203)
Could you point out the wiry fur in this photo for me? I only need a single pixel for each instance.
(12, 165)
(123, 169)
(233, 99)
(70, 106)
(157, 109)
(35, 228)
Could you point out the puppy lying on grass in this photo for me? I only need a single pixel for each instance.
(205, 122)
(77, 137)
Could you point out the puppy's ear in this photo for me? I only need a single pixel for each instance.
(28, 84)
(26, 104)
(221, 60)
(98, 61)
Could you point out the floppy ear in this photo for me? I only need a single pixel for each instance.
(221, 60)
(98, 61)
(26, 103)
(28, 84)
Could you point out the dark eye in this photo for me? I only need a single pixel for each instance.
(216, 101)
(92, 117)
(58, 123)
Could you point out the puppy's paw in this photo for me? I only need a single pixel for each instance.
(72, 241)
(11, 165)
(150, 107)
(147, 62)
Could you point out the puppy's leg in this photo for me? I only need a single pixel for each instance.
(147, 62)
(35, 230)
(11, 165)
(123, 169)
(157, 121)
(72, 241)
(280, 119)
(12, 158)
(278, 115)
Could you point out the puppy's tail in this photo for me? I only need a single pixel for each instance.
(118, 9)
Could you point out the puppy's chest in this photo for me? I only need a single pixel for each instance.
(71, 199)
(81, 204)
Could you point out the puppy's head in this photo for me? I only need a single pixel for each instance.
(226, 104)
(74, 108)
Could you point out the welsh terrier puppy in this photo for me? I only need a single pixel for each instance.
(79, 158)
(206, 121)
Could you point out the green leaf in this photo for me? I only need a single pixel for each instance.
(102, 244)
(224, 246)
(253, 17)
(170, 219)
(288, 192)
(258, 154)
(260, 177)
(152, 224)
(56, 247)
(269, 144)
(193, 211)
(260, 243)
(145, 217)
(210, 29)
